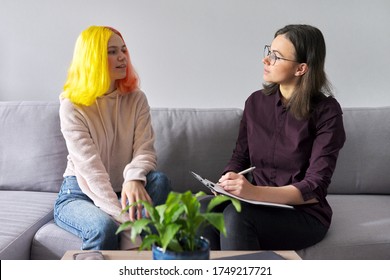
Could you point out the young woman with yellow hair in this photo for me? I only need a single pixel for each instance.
(106, 123)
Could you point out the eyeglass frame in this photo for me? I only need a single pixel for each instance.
(269, 52)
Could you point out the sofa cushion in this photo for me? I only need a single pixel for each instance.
(359, 230)
(363, 163)
(199, 140)
(22, 213)
(51, 242)
(33, 151)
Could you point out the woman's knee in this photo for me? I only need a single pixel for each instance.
(158, 186)
(102, 236)
(158, 178)
(233, 219)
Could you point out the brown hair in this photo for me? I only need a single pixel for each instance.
(310, 48)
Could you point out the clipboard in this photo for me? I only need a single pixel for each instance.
(215, 188)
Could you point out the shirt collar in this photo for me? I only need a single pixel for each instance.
(278, 99)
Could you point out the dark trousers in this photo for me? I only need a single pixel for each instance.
(264, 228)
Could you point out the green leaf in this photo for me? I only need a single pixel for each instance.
(154, 215)
(236, 203)
(172, 213)
(175, 246)
(189, 202)
(139, 226)
(195, 223)
(161, 209)
(173, 198)
(124, 226)
(200, 194)
(217, 220)
(149, 240)
(168, 235)
(217, 200)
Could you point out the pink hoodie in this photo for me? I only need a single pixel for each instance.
(109, 143)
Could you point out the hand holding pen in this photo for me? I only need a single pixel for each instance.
(243, 172)
(247, 170)
(231, 182)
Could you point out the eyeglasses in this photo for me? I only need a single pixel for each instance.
(272, 57)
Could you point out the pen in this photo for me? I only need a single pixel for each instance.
(244, 171)
(247, 170)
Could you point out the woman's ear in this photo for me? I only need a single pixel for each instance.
(301, 69)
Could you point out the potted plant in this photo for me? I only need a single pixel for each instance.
(173, 229)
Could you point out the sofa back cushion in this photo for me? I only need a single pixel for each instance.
(32, 149)
(203, 141)
(364, 162)
(199, 140)
(33, 152)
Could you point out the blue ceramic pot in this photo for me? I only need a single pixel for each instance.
(203, 253)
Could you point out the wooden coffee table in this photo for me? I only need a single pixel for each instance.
(147, 255)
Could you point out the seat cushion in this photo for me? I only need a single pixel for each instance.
(51, 242)
(22, 213)
(360, 229)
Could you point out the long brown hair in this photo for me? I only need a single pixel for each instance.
(310, 48)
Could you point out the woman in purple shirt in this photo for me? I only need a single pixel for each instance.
(292, 132)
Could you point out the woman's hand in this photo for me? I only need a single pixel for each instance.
(134, 191)
(237, 184)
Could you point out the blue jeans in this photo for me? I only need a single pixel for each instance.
(75, 212)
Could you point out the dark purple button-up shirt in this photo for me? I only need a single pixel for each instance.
(287, 151)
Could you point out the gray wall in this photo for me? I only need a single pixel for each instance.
(194, 53)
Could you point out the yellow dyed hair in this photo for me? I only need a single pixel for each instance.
(88, 74)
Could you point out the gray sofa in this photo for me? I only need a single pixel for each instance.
(33, 157)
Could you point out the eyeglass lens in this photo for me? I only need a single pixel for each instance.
(271, 56)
